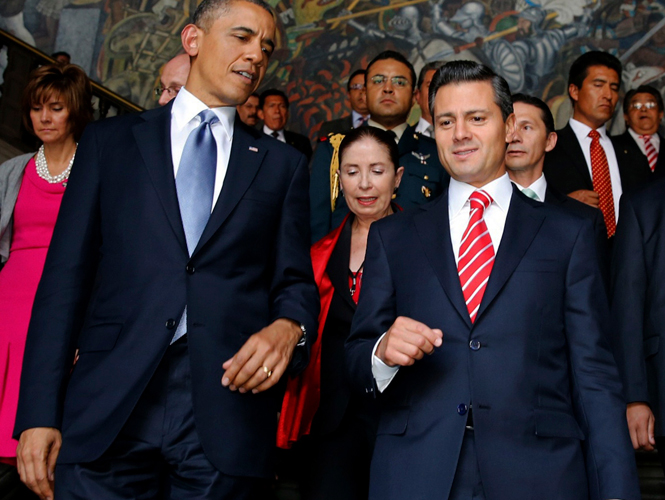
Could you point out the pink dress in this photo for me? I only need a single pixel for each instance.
(35, 213)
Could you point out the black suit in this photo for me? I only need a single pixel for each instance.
(628, 151)
(300, 142)
(336, 126)
(566, 169)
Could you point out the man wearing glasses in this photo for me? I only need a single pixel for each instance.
(358, 102)
(390, 81)
(640, 143)
(174, 76)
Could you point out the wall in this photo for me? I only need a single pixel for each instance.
(124, 43)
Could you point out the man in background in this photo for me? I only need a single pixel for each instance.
(248, 112)
(173, 78)
(274, 111)
(424, 125)
(355, 87)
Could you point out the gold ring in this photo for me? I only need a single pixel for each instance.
(267, 371)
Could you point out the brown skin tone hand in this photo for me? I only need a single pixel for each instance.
(585, 196)
(407, 341)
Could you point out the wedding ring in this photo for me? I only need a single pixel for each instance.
(267, 371)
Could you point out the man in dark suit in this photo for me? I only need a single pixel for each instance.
(485, 321)
(593, 86)
(638, 312)
(390, 81)
(531, 139)
(248, 112)
(179, 269)
(355, 87)
(640, 144)
(274, 111)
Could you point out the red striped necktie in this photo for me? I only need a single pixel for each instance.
(476, 254)
(602, 184)
(652, 154)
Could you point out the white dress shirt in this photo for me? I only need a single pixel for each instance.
(399, 129)
(539, 187)
(280, 133)
(582, 133)
(459, 213)
(357, 119)
(184, 120)
(423, 127)
(654, 139)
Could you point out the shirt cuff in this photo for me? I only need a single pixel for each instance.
(383, 374)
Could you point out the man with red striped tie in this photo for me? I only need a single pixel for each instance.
(482, 330)
(640, 143)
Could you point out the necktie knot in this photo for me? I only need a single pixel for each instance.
(480, 200)
(531, 194)
(275, 134)
(208, 117)
(595, 135)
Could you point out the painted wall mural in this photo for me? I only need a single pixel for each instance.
(124, 43)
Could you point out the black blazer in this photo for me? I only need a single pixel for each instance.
(118, 277)
(336, 126)
(566, 169)
(628, 150)
(300, 142)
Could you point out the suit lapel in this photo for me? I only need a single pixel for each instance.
(338, 265)
(574, 150)
(153, 139)
(244, 162)
(522, 224)
(433, 228)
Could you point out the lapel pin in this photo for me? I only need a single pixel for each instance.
(255, 150)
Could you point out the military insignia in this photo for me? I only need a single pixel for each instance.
(421, 156)
(427, 192)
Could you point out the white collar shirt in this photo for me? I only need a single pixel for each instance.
(280, 133)
(539, 186)
(424, 127)
(398, 130)
(357, 119)
(654, 139)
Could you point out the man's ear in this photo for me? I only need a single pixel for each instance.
(551, 141)
(573, 92)
(259, 112)
(190, 36)
(511, 123)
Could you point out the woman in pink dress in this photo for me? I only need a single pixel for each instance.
(56, 107)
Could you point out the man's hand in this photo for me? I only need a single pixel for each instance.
(407, 341)
(640, 426)
(263, 359)
(585, 196)
(36, 454)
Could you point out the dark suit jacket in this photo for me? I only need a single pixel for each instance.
(424, 179)
(627, 149)
(300, 142)
(540, 375)
(336, 126)
(638, 297)
(566, 169)
(118, 276)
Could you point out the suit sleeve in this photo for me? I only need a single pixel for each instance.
(629, 286)
(599, 403)
(62, 296)
(376, 312)
(293, 293)
(319, 192)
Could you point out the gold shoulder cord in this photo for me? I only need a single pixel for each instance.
(335, 141)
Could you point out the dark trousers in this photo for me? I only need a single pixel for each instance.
(467, 484)
(158, 454)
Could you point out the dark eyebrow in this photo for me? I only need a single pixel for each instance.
(250, 31)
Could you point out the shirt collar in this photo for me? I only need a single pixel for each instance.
(422, 125)
(501, 191)
(399, 129)
(655, 140)
(186, 106)
(355, 117)
(582, 131)
(539, 186)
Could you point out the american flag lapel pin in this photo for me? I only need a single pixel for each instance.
(255, 150)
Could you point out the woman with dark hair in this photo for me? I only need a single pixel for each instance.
(56, 108)
(341, 425)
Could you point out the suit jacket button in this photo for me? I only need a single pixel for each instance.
(170, 324)
(190, 269)
(462, 409)
(474, 345)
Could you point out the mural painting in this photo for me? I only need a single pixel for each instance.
(321, 42)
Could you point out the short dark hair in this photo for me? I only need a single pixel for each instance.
(456, 72)
(579, 70)
(352, 76)
(209, 10)
(545, 112)
(268, 93)
(69, 83)
(425, 69)
(642, 89)
(382, 137)
(391, 54)
(55, 55)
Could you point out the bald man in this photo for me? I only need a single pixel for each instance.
(174, 76)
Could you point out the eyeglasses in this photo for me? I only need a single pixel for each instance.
(646, 105)
(173, 91)
(357, 86)
(397, 81)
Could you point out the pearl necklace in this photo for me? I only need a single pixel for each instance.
(43, 172)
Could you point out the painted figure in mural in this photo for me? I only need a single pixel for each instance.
(248, 112)
(640, 143)
(173, 78)
(390, 82)
(274, 112)
(355, 88)
(180, 269)
(469, 20)
(473, 404)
